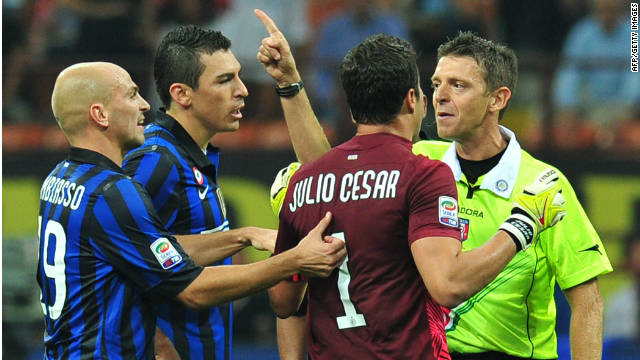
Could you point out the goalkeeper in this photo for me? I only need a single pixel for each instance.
(514, 316)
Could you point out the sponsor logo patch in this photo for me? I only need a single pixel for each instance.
(198, 175)
(448, 211)
(464, 229)
(165, 253)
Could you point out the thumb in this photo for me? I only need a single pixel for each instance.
(323, 224)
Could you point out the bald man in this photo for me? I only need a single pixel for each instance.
(104, 257)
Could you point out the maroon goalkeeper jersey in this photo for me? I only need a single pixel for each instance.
(383, 197)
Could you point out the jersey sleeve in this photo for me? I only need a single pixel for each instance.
(433, 201)
(574, 249)
(135, 243)
(157, 171)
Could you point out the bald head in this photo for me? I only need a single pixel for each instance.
(80, 86)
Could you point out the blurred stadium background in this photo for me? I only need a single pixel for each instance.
(594, 137)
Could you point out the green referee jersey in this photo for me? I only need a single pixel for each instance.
(516, 314)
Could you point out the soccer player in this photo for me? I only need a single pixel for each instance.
(197, 79)
(397, 214)
(513, 317)
(104, 255)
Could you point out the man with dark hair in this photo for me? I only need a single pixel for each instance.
(473, 83)
(105, 257)
(197, 79)
(513, 317)
(397, 214)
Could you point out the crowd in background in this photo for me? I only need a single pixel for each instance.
(576, 90)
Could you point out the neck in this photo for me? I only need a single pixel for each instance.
(100, 144)
(481, 146)
(199, 133)
(396, 127)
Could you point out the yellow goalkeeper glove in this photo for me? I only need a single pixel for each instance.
(537, 208)
(279, 186)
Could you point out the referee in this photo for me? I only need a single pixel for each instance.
(104, 255)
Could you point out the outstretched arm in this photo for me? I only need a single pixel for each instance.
(315, 255)
(307, 136)
(206, 249)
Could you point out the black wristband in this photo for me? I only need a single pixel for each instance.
(290, 90)
(515, 240)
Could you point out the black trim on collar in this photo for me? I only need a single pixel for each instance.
(184, 139)
(92, 157)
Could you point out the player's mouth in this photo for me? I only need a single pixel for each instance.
(237, 112)
(442, 115)
(140, 121)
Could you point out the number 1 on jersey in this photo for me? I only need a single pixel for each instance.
(351, 318)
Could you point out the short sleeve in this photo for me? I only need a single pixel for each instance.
(574, 249)
(433, 201)
(135, 243)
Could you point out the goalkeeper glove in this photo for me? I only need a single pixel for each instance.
(537, 208)
(280, 185)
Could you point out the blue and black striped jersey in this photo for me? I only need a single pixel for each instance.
(182, 182)
(104, 257)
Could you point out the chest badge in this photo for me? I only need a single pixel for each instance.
(202, 193)
(464, 229)
(502, 185)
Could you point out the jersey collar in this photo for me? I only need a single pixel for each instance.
(186, 141)
(502, 178)
(91, 157)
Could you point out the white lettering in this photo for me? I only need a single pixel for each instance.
(308, 200)
(391, 185)
(347, 181)
(328, 187)
(61, 191)
(360, 185)
(379, 187)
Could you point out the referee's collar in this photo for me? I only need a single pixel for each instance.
(501, 179)
(185, 140)
(92, 157)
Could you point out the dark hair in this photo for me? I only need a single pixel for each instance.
(498, 62)
(178, 57)
(376, 75)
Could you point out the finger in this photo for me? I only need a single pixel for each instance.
(264, 59)
(323, 224)
(270, 51)
(266, 20)
(272, 46)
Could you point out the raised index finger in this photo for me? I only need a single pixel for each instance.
(266, 20)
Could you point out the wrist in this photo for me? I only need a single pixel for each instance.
(521, 230)
(289, 90)
(287, 80)
(241, 236)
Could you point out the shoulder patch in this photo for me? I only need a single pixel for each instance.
(448, 211)
(165, 253)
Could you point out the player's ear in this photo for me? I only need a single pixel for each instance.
(181, 94)
(499, 99)
(99, 115)
(411, 100)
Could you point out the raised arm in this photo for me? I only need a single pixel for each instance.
(307, 136)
